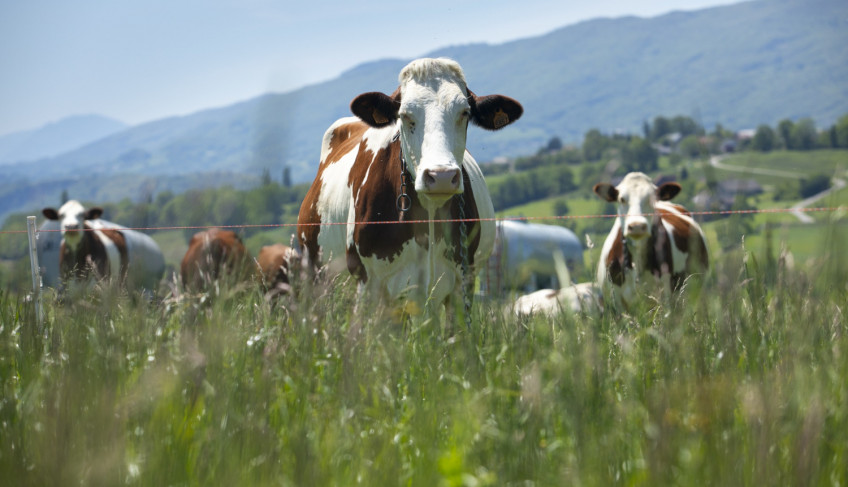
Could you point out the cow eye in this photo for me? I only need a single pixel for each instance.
(623, 200)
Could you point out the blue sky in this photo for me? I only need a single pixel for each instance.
(140, 60)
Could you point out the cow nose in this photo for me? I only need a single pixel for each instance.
(441, 180)
(637, 228)
(72, 227)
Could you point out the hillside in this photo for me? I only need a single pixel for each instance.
(56, 138)
(744, 64)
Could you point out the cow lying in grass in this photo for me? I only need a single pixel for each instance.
(584, 297)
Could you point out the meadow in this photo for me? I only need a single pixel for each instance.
(740, 382)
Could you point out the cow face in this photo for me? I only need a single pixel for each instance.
(432, 108)
(72, 216)
(636, 196)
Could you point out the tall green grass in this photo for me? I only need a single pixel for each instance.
(743, 382)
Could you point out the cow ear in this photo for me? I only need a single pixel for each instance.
(93, 213)
(50, 213)
(667, 191)
(375, 108)
(493, 112)
(606, 191)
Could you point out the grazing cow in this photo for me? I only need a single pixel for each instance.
(275, 262)
(212, 254)
(91, 251)
(650, 237)
(406, 150)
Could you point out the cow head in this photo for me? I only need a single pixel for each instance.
(432, 108)
(636, 196)
(72, 216)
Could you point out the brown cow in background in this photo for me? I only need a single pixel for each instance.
(275, 263)
(211, 255)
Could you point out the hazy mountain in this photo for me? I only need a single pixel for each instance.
(739, 65)
(56, 138)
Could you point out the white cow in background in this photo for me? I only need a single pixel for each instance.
(89, 248)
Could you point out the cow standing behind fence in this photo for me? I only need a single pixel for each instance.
(650, 240)
(92, 251)
(403, 158)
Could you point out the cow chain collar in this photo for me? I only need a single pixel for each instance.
(464, 265)
(404, 201)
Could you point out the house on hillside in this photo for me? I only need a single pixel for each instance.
(725, 196)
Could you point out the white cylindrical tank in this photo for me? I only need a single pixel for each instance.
(523, 257)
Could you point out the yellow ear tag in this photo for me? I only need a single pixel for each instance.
(378, 117)
(500, 118)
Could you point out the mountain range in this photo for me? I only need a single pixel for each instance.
(738, 65)
(56, 138)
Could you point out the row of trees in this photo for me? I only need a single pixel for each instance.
(800, 135)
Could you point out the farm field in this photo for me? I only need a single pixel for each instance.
(742, 383)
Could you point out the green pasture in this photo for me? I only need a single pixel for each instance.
(742, 380)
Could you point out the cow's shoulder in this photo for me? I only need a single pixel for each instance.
(680, 224)
(341, 138)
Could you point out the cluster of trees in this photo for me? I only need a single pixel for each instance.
(800, 135)
(532, 184)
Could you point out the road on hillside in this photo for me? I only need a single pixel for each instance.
(715, 161)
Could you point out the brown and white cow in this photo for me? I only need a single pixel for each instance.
(212, 254)
(275, 262)
(413, 140)
(90, 251)
(650, 239)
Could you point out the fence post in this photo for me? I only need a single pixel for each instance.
(36, 274)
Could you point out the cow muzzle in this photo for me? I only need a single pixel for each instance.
(441, 181)
(636, 229)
